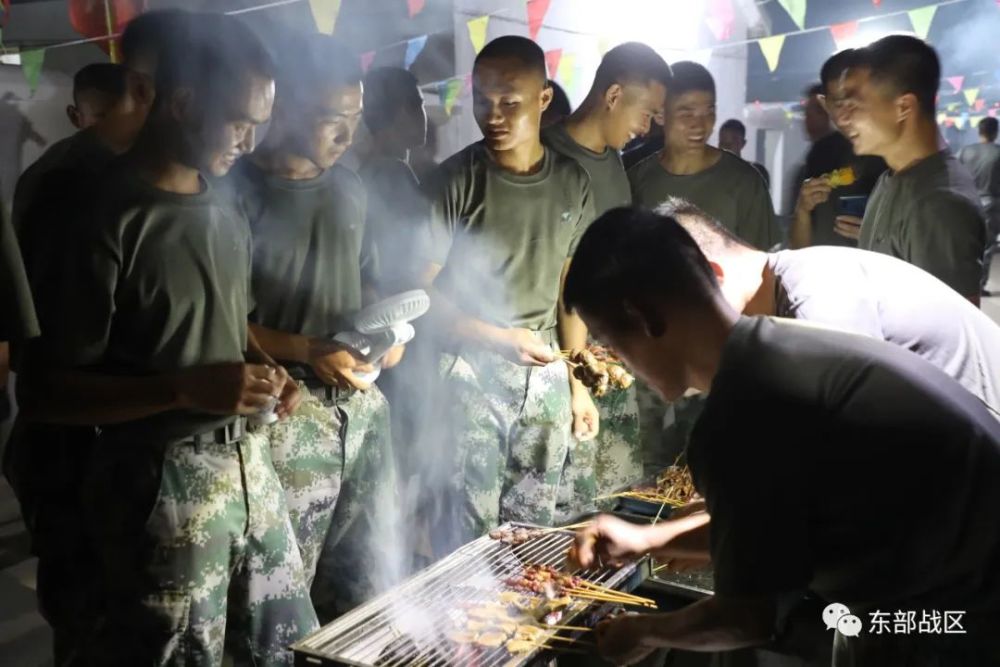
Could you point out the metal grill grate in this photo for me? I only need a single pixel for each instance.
(406, 625)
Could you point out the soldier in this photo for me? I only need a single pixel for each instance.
(722, 184)
(725, 186)
(497, 292)
(43, 461)
(314, 266)
(629, 90)
(183, 508)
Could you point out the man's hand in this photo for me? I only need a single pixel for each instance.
(848, 226)
(621, 640)
(393, 356)
(522, 347)
(335, 364)
(226, 389)
(586, 418)
(290, 396)
(814, 192)
(609, 539)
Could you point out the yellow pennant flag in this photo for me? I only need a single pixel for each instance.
(603, 45)
(771, 48)
(960, 122)
(797, 10)
(975, 120)
(477, 32)
(970, 95)
(567, 72)
(325, 14)
(941, 118)
(921, 19)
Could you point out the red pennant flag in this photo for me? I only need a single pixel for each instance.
(90, 20)
(415, 7)
(552, 59)
(366, 60)
(992, 113)
(4, 12)
(537, 9)
(843, 31)
(877, 3)
(956, 82)
(980, 103)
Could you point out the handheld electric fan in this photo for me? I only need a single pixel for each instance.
(383, 325)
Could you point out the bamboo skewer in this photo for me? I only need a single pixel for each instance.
(611, 591)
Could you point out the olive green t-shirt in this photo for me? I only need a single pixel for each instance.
(929, 215)
(309, 247)
(608, 181)
(503, 238)
(162, 281)
(17, 311)
(397, 221)
(731, 191)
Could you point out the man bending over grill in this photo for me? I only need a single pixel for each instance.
(183, 508)
(507, 214)
(831, 463)
(312, 260)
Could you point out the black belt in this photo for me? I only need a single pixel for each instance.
(231, 433)
(329, 394)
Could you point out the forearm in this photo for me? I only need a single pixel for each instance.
(280, 345)
(800, 233)
(452, 319)
(76, 397)
(256, 353)
(714, 624)
(687, 537)
(570, 328)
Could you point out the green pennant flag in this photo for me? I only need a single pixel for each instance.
(771, 48)
(448, 93)
(921, 19)
(970, 95)
(31, 65)
(797, 10)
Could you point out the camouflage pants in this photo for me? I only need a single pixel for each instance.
(511, 428)
(190, 538)
(664, 428)
(337, 469)
(607, 463)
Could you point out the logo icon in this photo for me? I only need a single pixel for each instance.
(567, 216)
(833, 613)
(849, 625)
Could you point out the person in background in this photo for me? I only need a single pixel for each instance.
(795, 413)
(853, 290)
(314, 265)
(889, 96)
(817, 203)
(560, 107)
(96, 88)
(733, 138)
(629, 90)
(16, 130)
(44, 462)
(182, 506)
(983, 160)
(718, 181)
(496, 295)
(397, 210)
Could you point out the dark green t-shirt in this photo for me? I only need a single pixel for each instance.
(731, 191)
(309, 247)
(608, 181)
(929, 215)
(29, 182)
(17, 311)
(503, 238)
(397, 220)
(162, 281)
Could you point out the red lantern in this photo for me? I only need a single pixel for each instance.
(99, 18)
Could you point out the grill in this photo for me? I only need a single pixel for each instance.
(407, 625)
